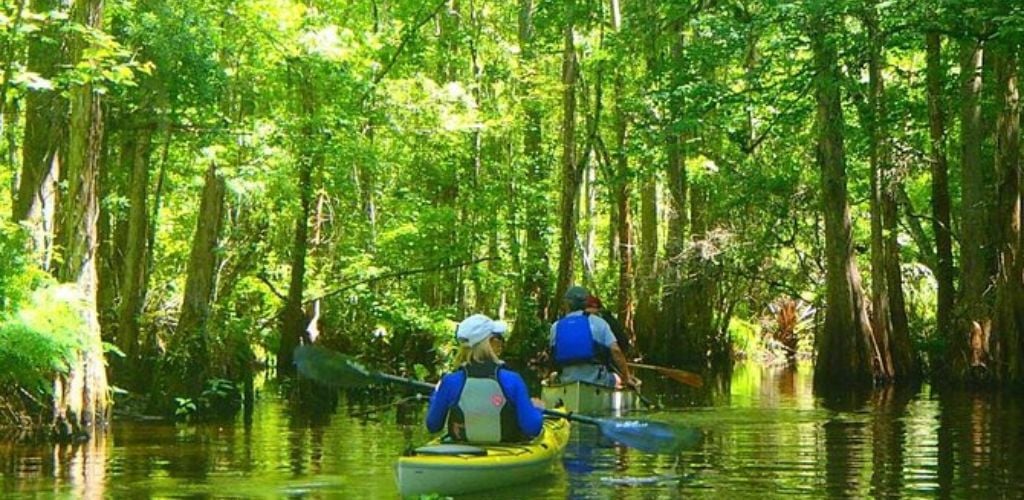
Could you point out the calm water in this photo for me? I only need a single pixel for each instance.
(765, 435)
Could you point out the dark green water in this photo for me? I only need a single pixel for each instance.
(765, 436)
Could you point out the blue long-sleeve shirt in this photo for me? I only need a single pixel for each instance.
(447, 394)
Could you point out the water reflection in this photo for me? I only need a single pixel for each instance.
(765, 433)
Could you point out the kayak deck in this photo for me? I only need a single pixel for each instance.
(470, 468)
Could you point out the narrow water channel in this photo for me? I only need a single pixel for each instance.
(765, 435)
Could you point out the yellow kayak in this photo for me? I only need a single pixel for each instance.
(452, 469)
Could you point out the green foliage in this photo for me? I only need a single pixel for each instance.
(43, 338)
(745, 336)
(14, 266)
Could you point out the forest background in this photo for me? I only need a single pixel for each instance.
(215, 181)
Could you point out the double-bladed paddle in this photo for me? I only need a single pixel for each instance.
(335, 369)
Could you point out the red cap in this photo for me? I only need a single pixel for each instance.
(594, 302)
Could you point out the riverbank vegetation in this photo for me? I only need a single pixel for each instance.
(196, 187)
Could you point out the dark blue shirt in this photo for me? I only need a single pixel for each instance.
(448, 392)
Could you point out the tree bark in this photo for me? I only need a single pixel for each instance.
(1008, 324)
(133, 286)
(293, 322)
(941, 221)
(188, 361)
(677, 346)
(974, 272)
(844, 342)
(623, 212)
(81, 401)
(647, 286)
(571, 177)
(534, 294)
(881, 316)
(45, 127)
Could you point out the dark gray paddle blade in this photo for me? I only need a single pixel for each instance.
(331, 368)
(649, 436)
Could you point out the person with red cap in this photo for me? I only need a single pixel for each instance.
(595, 307)
(584, 348)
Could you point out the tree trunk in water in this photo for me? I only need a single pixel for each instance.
(293, 320)
(647, 287)
(534, 295)
(570, 174)
(81, 400)
(678, 346)
(844, 352)
(1008, 324)
(133, 287)
(187, 357)
(941, 221)
(624, 213)
(881, 316)
(974, 272)
(45, 120)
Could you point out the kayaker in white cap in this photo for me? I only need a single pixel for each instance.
(584, 347)
(483, 401)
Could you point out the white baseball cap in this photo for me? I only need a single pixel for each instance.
(478, 328)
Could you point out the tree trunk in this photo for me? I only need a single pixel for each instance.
(1008, 323)
(45, 127)
(648, 336)
(293, 320)
(974, 272)
(570, 174)
(647, 274)
(133, 287)
(81, 400)
(188, 361)
(678, 346)
(534, 295)
(623, 212)
(941, 222)
(844, 342)
(881, 316)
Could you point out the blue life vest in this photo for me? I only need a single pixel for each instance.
(574, 343)
(483, 413)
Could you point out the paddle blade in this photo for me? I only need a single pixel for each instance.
(690, 379)
(648, 436)
(331, 368)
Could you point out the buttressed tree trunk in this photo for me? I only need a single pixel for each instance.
(45, 114)
(844, 344)
(974, 272)
(1008, 324)
(941, 221)
(81, 399)
(187, 360)
(570, 174)
(881, 316)
(133, 285)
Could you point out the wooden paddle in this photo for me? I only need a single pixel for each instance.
(681, 376)
(335, 369)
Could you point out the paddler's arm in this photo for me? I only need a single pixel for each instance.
(528, 416)
(444, 396)
(623, 366)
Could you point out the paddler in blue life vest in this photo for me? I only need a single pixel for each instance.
(482, 401)
(584, 347)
